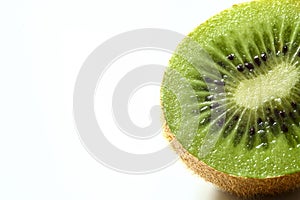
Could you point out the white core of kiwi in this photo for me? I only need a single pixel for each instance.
(253, 93)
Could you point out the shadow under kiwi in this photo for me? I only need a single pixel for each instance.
(292, 195)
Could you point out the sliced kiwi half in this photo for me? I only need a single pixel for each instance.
(231, 98)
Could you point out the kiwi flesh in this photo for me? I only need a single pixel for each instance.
(231, 98)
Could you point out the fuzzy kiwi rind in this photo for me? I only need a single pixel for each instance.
(240, 186)
(269, 36)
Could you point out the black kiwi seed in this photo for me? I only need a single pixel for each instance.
(257, 60)
(208, 80)
(239, 134)
(236, 118)
(240, 67)
(217, 82)
(231, 56)
(276, 112)
(259, 121)
(221, 64)
(285, 49)
(264, 56)
(294, 105)
(214, 105)
(299, 53)
(252, 131)
(271, 121)
(293, 116)
(221, 122)
(284, 128)
(249, 66)
(281, 113)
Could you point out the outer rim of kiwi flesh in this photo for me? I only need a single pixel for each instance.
(240, 186)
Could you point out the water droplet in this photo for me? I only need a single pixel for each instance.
(261, 145)
(278, 100)
(267, 158)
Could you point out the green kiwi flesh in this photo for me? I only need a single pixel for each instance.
(231, 93)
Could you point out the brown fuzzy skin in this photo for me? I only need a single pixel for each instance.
(240, 186)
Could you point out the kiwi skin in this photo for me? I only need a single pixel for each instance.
(239, 186)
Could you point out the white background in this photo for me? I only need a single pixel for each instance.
(42, 47)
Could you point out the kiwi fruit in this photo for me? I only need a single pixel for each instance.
(231, 98)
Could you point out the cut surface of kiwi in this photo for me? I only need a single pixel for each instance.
(231, 97)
